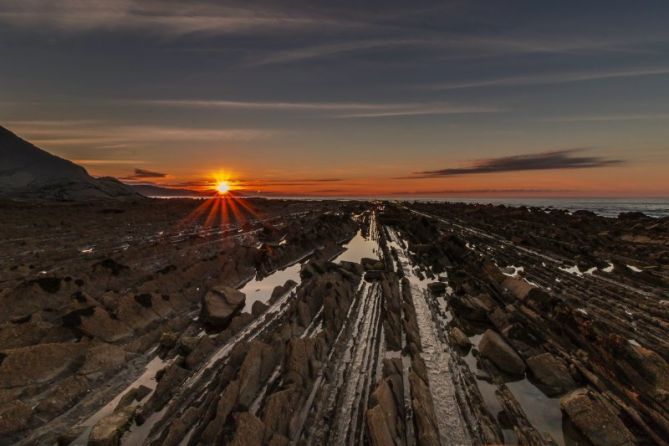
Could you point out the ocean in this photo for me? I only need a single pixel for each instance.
(607, 207)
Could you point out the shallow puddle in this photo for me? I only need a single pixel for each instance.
(543, 412)
(359, 247)
(147, 379)
(261, 289)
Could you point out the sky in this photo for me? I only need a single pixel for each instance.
(429, 98)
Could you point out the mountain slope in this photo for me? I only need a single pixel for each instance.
(26, 171)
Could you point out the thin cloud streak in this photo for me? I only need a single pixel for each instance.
(327, 50)
(548, 79)
(610, 118)
(346, 110)
(163, 17)
(558, 159)
(64, 133)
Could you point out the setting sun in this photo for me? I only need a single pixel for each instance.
(222, 187)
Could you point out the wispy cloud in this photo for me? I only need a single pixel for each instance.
(164, 16)
(332, 49)
(141, 174)
(335, 109)
(558, 159)
(251, 183)
(543, 79)
(94, 133)
(610, 118)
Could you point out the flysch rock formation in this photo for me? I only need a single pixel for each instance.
(457, 325)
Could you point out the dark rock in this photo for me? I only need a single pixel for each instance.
(258, 308)
(39, 363)
(279, 411)
(220, 305)
(495, 348)
(552, 373)
(63, 395)
(202, 349)
(108, 431)
(249, 430)
(437, 287)
(49, 284)
(143, 299)
(461, 339)
(113, 266)
(135, 394)
(595, 420)
(352, 267)
(475, 308)
(372, 264)
(14, 417)
(373, 275)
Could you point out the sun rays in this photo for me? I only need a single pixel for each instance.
(226, 208)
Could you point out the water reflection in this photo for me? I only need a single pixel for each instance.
(358, 248)
(261, 289)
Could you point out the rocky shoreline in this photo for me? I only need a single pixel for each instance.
(361, 323)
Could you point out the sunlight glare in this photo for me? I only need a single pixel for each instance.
(222, 187)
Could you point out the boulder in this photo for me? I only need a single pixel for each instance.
(517, 287)
(495, 348)
(437, 287)
(258, 308)
(14, 417)
(552, 374)
(652, 371)
(474, 308)
(168, 340)
(372, 264)
(204, 347)
(180, 427)
(374, 275)
(171, 377)
(249, 431)
(280, 290)
(593, 418)
(352, 267)
(220, 305)
(279, 411)
(108, 431)
(135, 394)
(460, 339)
(239, 322)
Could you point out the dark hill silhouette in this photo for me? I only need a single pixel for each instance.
(28, 172)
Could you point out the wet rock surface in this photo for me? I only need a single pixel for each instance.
(220, 305)
(438, 325)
